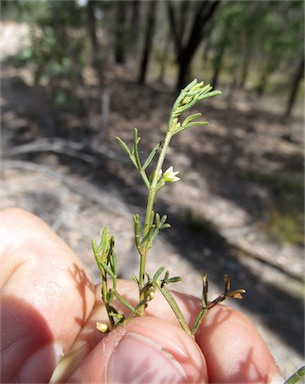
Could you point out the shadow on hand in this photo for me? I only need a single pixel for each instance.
(82, 283)
(23, 333)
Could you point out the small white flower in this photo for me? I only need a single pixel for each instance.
(169, 175)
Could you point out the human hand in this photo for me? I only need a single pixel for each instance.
(49, 309)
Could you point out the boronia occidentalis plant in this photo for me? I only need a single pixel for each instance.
(146, 230)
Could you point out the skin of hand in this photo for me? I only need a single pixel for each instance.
(49, 308)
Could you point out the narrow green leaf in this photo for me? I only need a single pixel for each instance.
(166, 276)
(113, 263)
(129, 153)
(166, 225)
(193, 124)
(190, 85)
(148, 235)
(94, 246)
(151, 156)
(174, 279)
(210, 94)
(105, 237)
(196, 123)
(174, 306)
(134, 278)
(297, 376)
(198, 320)
(135, 151)
(163, 220)
(160, 184)
(184, 108)
(204, 90)
(110, 295)
(107, 269)
(145, 178)
(123, 300)
(104, 242)
(181, 96)
(154, 235)
(124, 146)
(190, 118)
(158, 273)
(152, 217)
(157, 220)
(136, 229)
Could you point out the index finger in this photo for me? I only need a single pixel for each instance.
(46, 297)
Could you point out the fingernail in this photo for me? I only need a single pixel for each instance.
(138, 359)
(38, 367)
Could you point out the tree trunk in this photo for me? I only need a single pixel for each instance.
(164, 59)
(92, 26)
(261, 87)
(220, 50)
(245, 68)
(177, 21)
(208, 42)
(299, 74)
(185, 51)
(151, 19)
(120, 43)
(135, 24)
(76, 68)
(184, 71)
(217, 67)
(104, 100)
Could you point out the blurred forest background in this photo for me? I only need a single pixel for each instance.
(75, 74)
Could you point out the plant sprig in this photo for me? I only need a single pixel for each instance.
(146, 230)
(297, 376)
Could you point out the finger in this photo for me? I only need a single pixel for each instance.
(46, 297)
(89, 337)
(249, 360)
(234, 350)
(146, 350)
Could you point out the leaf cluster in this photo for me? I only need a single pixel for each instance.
(133, 154)
(144, 235)
(189, 96)
(207, 305)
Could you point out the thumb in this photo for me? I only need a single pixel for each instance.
(147, 350)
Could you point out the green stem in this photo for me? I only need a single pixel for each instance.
(296, 377)
(104, 291)
(198, 320)
(149, 213)
(174, 306)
